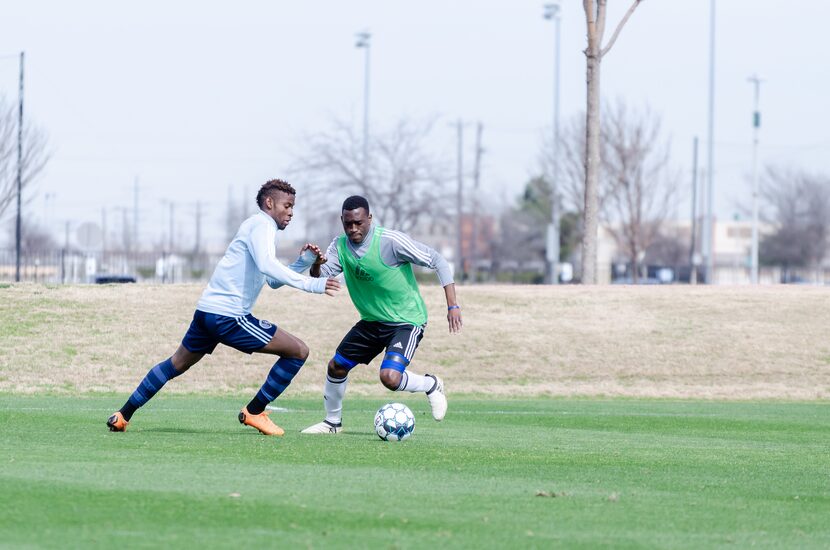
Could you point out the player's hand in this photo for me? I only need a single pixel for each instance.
(332, 286)
(321, 259)
(454, 319)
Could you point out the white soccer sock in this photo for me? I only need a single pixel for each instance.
(333, 398)
(412, 382)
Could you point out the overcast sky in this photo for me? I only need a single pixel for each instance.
(195, 97)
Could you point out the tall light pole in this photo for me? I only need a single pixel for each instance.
(364, 41)
(19, 233)
(552, 245)
(459, 202)
(708, 224)
(756, 128)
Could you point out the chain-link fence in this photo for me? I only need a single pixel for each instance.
(72, 266)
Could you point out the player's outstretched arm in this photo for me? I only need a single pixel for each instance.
(453, 309)
(332, 286)
(328, 264)
(308, 258)
(261, 248)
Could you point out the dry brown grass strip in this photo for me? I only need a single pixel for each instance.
(674, 341)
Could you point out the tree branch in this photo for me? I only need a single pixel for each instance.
(601, 13)
(633, 7)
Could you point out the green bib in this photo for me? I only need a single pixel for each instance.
(378, 291)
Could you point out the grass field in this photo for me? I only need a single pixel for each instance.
(579, 417)
(496, 473)
(673, 341)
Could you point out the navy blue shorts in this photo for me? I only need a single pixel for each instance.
(247, 333)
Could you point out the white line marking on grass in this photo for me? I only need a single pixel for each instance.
(372, 411)
(159, 409)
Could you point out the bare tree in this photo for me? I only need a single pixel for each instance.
(594, 53)
(35, 154)
(797, 204)
(641, 184)
(571, 159)
(404, 183)
(34, 237)
(635, 184)
(522, 239)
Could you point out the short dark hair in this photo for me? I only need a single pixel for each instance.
(355, 201)
(269, 187)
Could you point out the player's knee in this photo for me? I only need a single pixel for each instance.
(302, 350)
(183, 359)
(336, 370)
(339, 366)
(390, 378)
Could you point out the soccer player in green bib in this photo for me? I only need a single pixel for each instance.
(377, 265)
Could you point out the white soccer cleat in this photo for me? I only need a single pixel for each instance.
(324, 427)
(437, 399)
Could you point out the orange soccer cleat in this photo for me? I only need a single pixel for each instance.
(260, 421)
(116, 423)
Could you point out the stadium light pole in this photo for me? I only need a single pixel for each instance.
(552, 249)
(19, 224)
(708, 225)
(364, 42)
(756, 128)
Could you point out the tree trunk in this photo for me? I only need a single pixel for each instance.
(594, 53)
(589, 245)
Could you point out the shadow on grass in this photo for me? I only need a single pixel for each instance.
(197, 431)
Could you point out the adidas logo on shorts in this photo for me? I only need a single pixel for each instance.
(397, 345)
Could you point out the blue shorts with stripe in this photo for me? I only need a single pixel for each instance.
(245, 333)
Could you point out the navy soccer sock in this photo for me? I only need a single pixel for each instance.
(152, 383)
(278, 379)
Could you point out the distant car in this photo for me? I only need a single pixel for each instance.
(110, 279)
(640, 281)
(792, 279)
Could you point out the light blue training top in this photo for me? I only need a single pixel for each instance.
(249, 262)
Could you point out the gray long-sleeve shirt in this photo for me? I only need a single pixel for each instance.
(396, 248)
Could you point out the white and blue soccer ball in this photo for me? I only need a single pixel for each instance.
(394, 422)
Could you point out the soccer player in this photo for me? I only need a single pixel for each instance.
(223, 313)
(377, 265)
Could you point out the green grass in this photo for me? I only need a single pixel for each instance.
(621, 473)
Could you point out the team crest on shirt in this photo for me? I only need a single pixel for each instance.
(265, 324)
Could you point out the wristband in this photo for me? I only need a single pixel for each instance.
(453, 307)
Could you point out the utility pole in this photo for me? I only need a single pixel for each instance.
(231, 218)
(103, 232)
(197, 247)
(135, 213)
(64, 251)
(125, 230)
(756, 128)
(692, 258)
(364, 41)
(476, 181)
(172, 210)
(708, 225)
(460, 204)
(552, 244)
(19, 226)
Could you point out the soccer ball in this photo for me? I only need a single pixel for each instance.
(394, 422)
